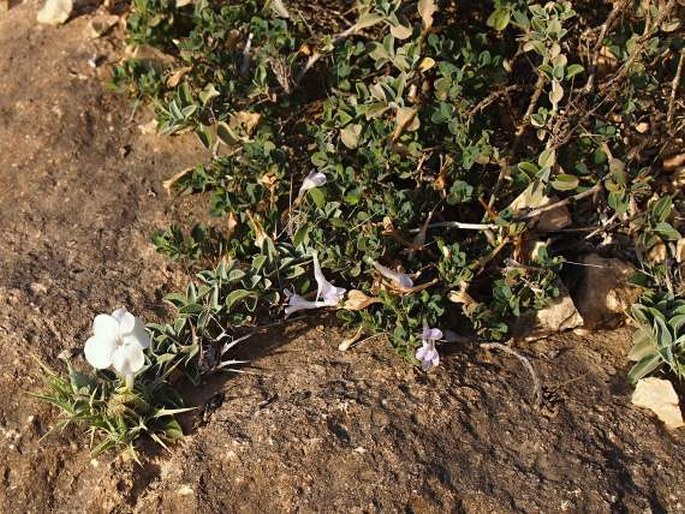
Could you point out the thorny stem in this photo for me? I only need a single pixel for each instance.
(490, 99)
(618, 78)
(537, 390)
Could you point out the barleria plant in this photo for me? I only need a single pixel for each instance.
(435, 156)
(121, 404)
(659, 341)
(421, 168)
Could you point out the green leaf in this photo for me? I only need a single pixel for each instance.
(537, 46)
(318, 196)
(557, 93)
(677, 322)
(666, 231)
(565, 182)
(537, 120)
(225, 134)
(207, 94)
(235, 275)
(499, 19)
(528, 168)
(574, 69)
(203, 134)
(643, 344)
(662, 208)
(547, 158)
(236, 296)
(173, 430)
(644, 368)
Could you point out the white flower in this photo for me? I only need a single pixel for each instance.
(427, 354)
(399, 279)
(331, 295)
(118, 341)
(314, 179)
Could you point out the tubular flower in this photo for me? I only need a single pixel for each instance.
(330, 294)
(327, 295)
(297, 302)
(314, 179)
(399, 279)
(118, 340)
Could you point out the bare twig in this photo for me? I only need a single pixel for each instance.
(490, 99)
(636, 53)
(168, 184)
(539, 86)
(316, 55)
(460, 225)
(606, 26)
(537, 390)
(520, 130)
(483, 261)
(571, 199)
(674, 88)
(603, 228)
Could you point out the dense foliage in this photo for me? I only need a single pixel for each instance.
(468, 149)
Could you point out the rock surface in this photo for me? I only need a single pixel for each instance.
(604, 295)
(659, 396)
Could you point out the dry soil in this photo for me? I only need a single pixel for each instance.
(306, 428)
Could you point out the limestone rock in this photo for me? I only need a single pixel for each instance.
(561, 315)
(558, 317)
(55, 12)
(659, 396)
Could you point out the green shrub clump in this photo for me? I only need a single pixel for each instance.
(442, 162)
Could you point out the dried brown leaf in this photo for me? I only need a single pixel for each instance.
(350, 135)
(427, 9)
(358, 300)
(176, 76)
(345, 345)
(405, 119)
(401, 31)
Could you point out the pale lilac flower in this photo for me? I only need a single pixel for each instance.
(331, 295)
(427, 354)
(297, 302)
(118, 341)
(400, 279)
(327, 295)
(314, 179)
